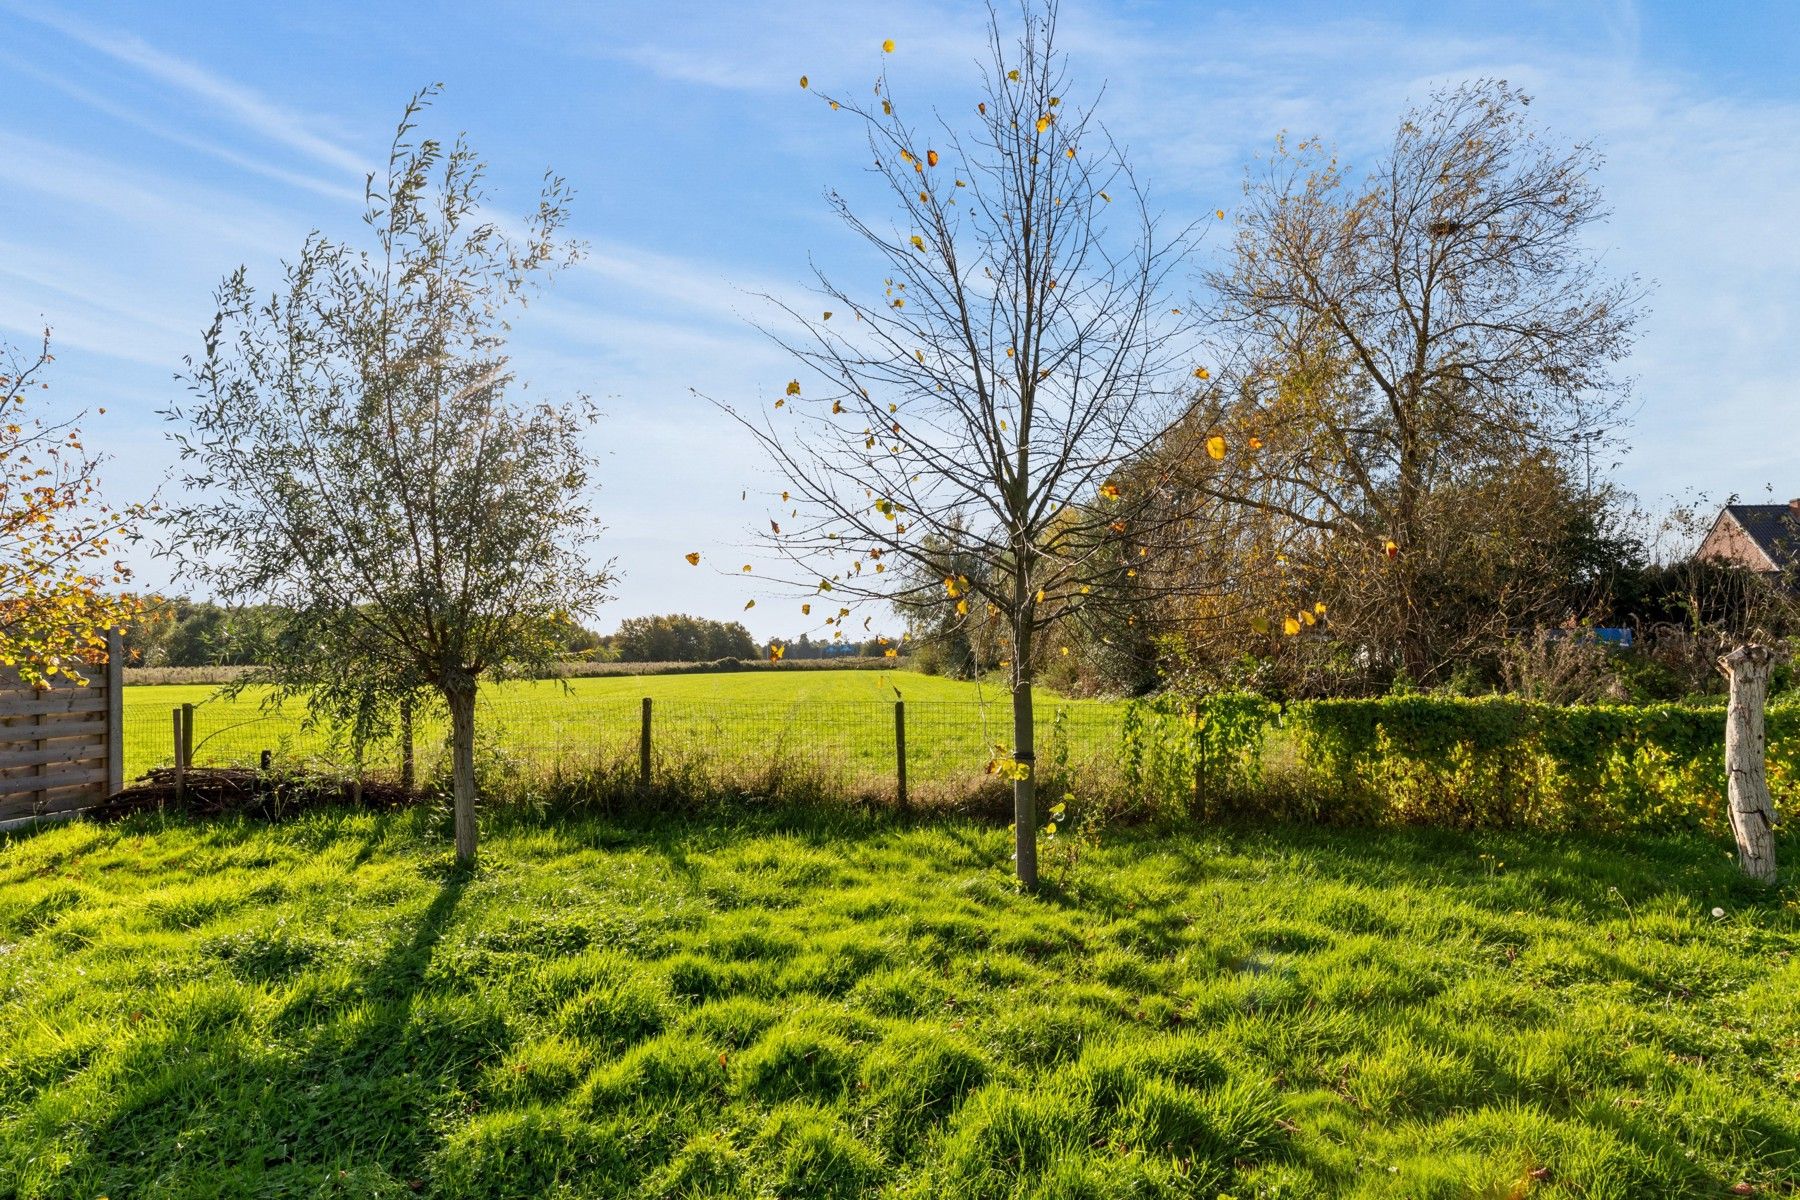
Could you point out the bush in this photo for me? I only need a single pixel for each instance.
(1187, 754)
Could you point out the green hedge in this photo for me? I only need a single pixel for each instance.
(1500, 761)
(1462, 762)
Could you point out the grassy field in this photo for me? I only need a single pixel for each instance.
(798, 1008)
(841, 718)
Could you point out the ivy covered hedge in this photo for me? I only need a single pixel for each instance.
(1501, 761)
(1492, 761)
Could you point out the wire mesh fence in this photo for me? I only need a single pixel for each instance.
(542, 730)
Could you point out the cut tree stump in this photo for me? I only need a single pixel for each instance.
(1752, 809)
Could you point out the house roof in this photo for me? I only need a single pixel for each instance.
(1775, 528)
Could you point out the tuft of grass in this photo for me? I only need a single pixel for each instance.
(809, 1003)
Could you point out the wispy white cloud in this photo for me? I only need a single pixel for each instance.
(19, 67)
(226, 97)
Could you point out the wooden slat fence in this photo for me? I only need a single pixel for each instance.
(63, 748)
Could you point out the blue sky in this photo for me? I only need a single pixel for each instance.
(148, 149)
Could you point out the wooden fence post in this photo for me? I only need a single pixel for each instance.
(180, 762)
(187, 736)
(900, 751)
(115, 712)
(407, 767)
(644, 749)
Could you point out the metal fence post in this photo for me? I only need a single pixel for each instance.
(900, 751)
(644, 748)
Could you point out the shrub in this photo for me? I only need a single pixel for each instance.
(1187, 754)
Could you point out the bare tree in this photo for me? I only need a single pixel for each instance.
(1021, 354)
(1406, 343)
(353, 455)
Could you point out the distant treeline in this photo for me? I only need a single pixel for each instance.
(179, 633)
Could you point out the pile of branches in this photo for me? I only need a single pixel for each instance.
(225, 791)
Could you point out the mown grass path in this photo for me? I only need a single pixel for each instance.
(828, 1007)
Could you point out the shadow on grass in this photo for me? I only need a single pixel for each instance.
(210, 1111)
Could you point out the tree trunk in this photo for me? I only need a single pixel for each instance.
(461, 702)
(1025, 755)
(1752, 809)
(1025, 785)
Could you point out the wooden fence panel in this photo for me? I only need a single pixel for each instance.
(61, 748)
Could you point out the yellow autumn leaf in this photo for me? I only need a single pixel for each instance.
(1065, 649)
(793, 387)
(887, 47)
(1254, 442)
(1215, 447)
(749, 604)
(1319, 608)
(803, 81)
(1106, 197)
(1290, 626)
(931, 158)
(1110, 490)
(891, 653)
(1070, 152)
(1043, 123)
(828, 314)
(1013, 75)
(693, 558)
(806, 610)
(746, 566)
(1202, 373)
(962, 608)
(1220, 214)
(918, 242)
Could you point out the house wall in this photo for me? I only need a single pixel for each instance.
(1727, 542)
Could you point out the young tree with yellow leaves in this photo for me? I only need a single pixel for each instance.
(1023, 350)
(59, 539)
(353, 454)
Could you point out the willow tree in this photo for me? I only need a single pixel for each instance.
(985, 399)
(353, 453)
(1411, 345)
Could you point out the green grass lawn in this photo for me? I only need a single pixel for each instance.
(843, 719)
(837, 1007)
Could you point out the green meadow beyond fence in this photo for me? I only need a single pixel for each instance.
(541, 730)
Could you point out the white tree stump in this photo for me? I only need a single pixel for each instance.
(1752, 809)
